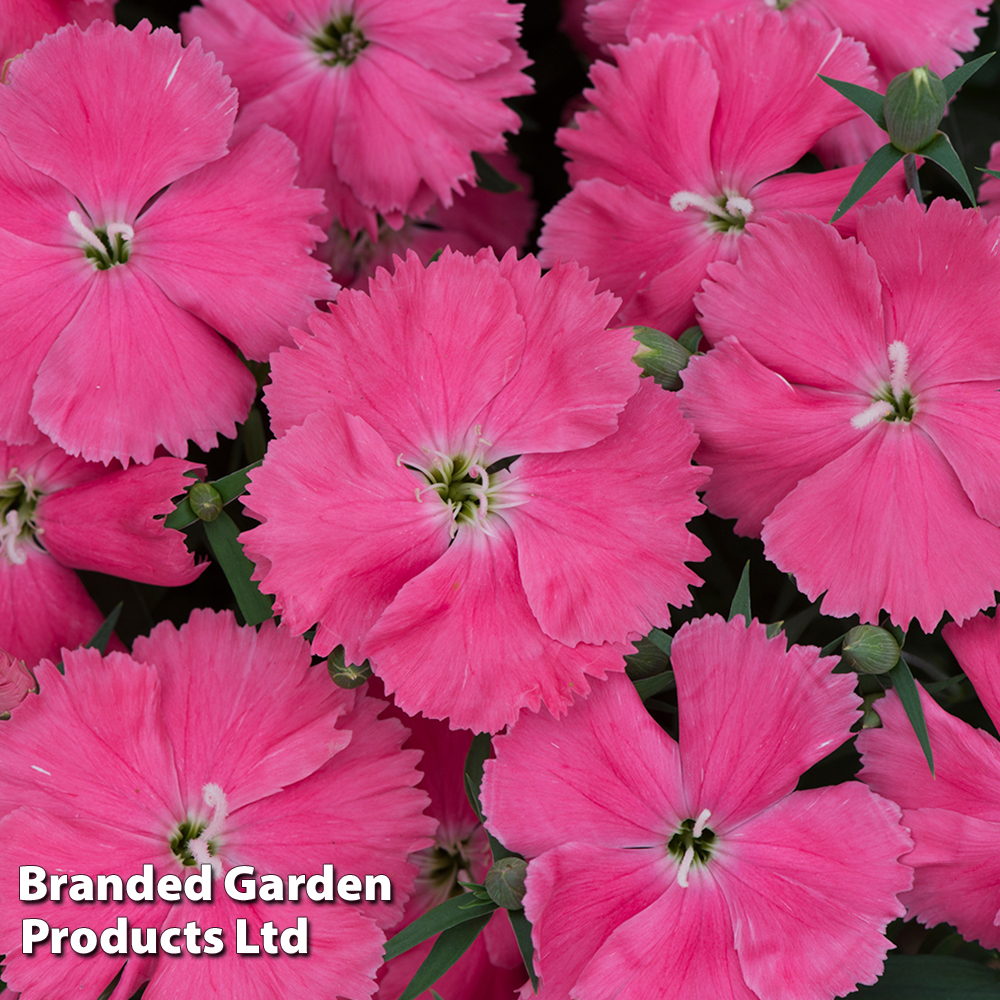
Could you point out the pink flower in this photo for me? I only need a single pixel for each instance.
(492, 968)
(216, 745)
(16, 680)
(385, 99)
(129, 234)
(479, 218)
(681, 152)
(694, 869)
(850, 410)
(954, 814)
(393, 520)
(24, 22)
(58, 514)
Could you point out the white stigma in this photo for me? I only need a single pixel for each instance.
(682, 200)
(737, 205)
(682, 872)
(122, 229)
(86, 234)
(877, 411)
(899, 356)
(700, 823)
(215, 797)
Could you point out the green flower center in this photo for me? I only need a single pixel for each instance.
(463, 485)
(684, 839)
(340, 42)
(180, 842)
(105, 246)
(18, 503)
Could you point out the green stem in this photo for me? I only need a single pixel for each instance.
(912, 178)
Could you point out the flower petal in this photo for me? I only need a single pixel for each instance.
(131, 371)
(231, 243)
(115, 146)
(607, 525)
(976, 645)
(811, 884)
(888, 526)
(460, 642)
(628, 794)
(753, 715)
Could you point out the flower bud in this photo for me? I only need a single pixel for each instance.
(505, 882)
(346, 675)
(870, 718)
(205, 501)
(16, 681)
(914, 106)
(660, 356)
(869, 649)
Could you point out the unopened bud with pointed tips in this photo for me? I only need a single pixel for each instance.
(660, 356)
(869, 649)
(505, 882)
(915, 102)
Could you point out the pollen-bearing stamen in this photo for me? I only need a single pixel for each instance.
(728, 211)
(894, 400)
(105, 247)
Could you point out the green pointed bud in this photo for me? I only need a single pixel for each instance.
(346, 675)
(914, 106)
(869, 649)
(505, 882)
(205, 501)
(660, 356)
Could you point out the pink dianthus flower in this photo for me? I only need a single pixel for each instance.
(690, 140)
(953, 814)
(214, 745)
(24, 22)
(692, 868)
(850, 410)
(59, 513)
(129, 235)
(460, 493)
(385, 99)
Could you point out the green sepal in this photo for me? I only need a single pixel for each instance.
(648, 687)
(229, 487)
(522, 931)
(660, 357)
(870, 101)
(474, 893)
(490, 179)
(448, 949)
(906, 687)
(660, 638)
(942, 152)
(475, 759)
(774, 628)
(451, 913)
(955, 79)
(741, 599)
(691, 338)
(223, 540)
(879, 164)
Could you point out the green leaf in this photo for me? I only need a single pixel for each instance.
(774, 629)
(932, 977)
(448, 949)
(878, 165)
(225, 545)
(490, 179)
(741, 600)
(479, 753)
(435, 257)
(955, 79)
(99, 640)
(522, 931)
(660, 638)
(691, 338)
(110, 988)
(647, 687)
(450, 913)
(992, 173)
(660, 357)
(906, 688)
(942, 152)
(870, 101)
(943, 685)
(229, 487)
(832, 647)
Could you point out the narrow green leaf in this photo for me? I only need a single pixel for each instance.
(436, 995)
(522, 931)
(489, 178)
(932, 977)
(955, 79)
(222, 535)
(832, 647)
(450, 913)
(992, 173)
(942, 152)
(229, 487)
(110, 988)
(475, 759)
(741, 599)
(870, 101)
(944, 685)
(906, 688)
(448, 949)
(436, 256)
(647, 687)
(99, 641)
(878, 165)
(660, 639)
(774, 629)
